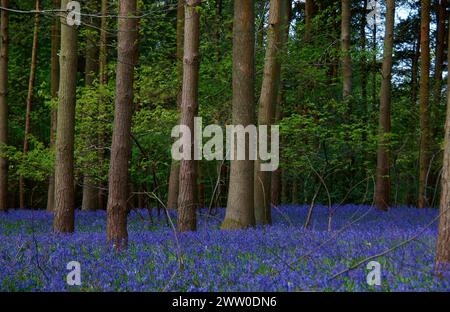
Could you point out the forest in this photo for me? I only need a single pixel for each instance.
(224, 145)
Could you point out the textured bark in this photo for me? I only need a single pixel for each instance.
(174, 178)
(439, 66)
(443, 240)
(240, 207)
(267, 102)
(382, 189)
(31, 81)
(64, 177)
(424, 158)
(189, 108)
(275, 184)
(54, 85)
(345, 47)
(364, 57)
(90, 193)
(4, 41)
(103, 79)
(121, 140)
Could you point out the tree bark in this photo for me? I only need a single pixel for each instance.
(364, 58)
(240, 211)
(424, 158)
(345, 47)
(54, 85)
(441, 17)
(174, 177)
(269, 95)
(4, 42)
(103, 79)
(382, 189)
(64, 177)
(443, 240)
(31, 81)
(189, 109)
(121, 140)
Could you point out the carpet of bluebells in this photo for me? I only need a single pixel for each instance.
(281, 257)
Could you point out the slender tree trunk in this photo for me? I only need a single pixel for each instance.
(121, 140)
(275, 183)
(240, 211)
(268, 99)
(54, 85)
(439, 64)
(189, 108)
(415, 68)
(424, 158)
(443, 240)
(382, 190)
(90, 194)
(345, 47)
(64, 219)
(103, 79)
(374, 67)
(174, 178)
(4, 41)
(364, 58)
(31, 80)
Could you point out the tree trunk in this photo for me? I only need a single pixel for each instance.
(439, 64)
(64, 219)
(4, 41)
(103, 79)
(31, 81)
(121, 140)
(382, 189)
(240, 211)
(424, 158)
(54, 85)
(174, 178)
(189, 109)
(269, 95)
(443, 240)
(345, 47)
(364, 58)
(90, 194)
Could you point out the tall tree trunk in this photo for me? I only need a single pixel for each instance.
(174, 178)
(439, 64)
(267, 103)
(382, 190)
(121, 140)
(424, 158)
(374, 67)
(443, 240)
(364, 58)
(31, 80)
(4, 41)
(64, 219)
(90, 194)
(54, 85)
(189, 108)
(240, 211)
(103, 79)
(345, 47)
(415, 68)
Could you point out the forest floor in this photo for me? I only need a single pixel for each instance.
(282, 257)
